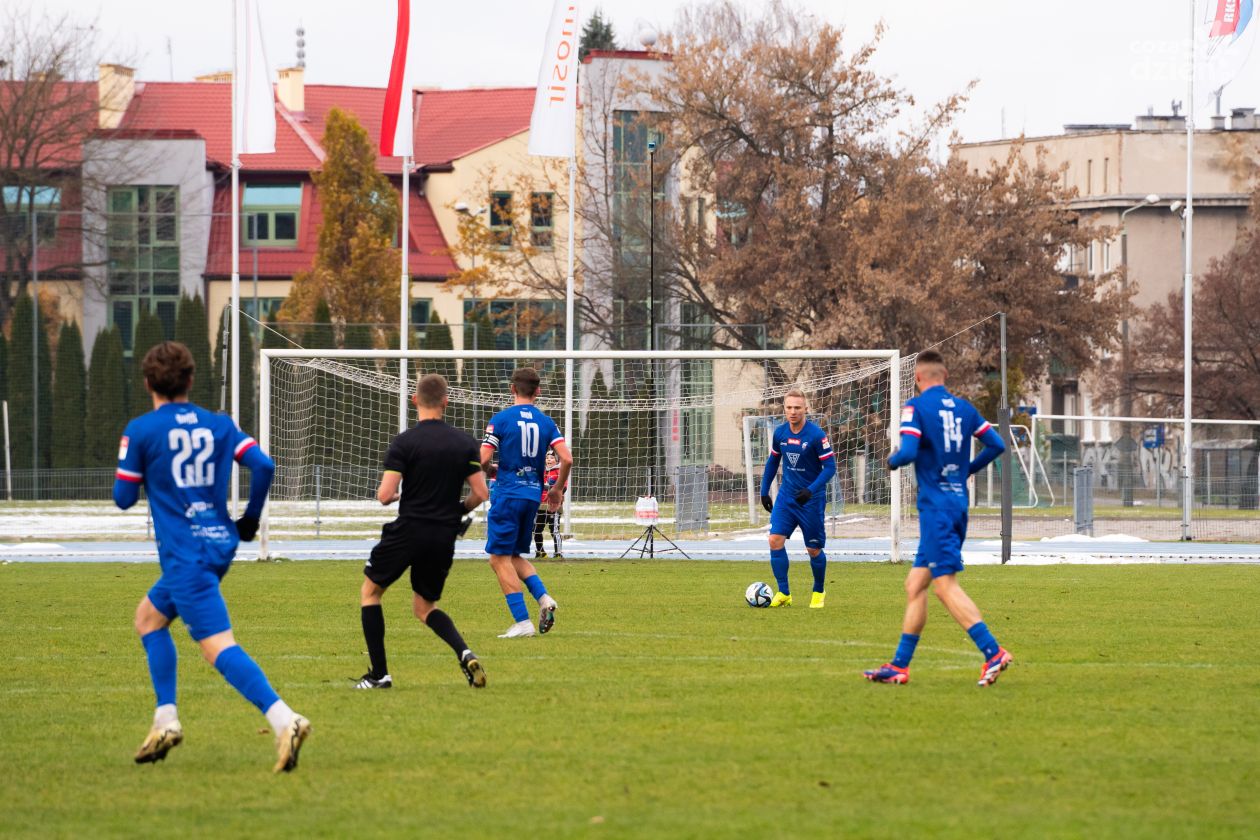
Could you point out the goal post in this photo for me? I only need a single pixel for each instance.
(669, 423)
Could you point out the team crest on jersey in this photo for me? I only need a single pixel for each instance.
(792, 458)
(122, 447)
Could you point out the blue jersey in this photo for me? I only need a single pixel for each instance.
(522, 434)
(183, 455)
(806, 458)
(942, 426)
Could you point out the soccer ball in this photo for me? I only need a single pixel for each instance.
(758, 594)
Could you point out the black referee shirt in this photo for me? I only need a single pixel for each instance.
(434, 459)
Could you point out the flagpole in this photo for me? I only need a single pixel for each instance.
(235, 347)
(406, 292)
(1187, 455)
(568, 326)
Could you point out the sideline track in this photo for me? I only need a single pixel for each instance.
(1111, 550)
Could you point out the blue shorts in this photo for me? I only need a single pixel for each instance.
(189, 589)
(510, 526)
(941, 536)
(787, 516)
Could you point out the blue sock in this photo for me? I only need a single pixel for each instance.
(243, 674)
(984, 640)
(779, 565)
(160, 650)
(905, 650)
(819, 566)
(516, 603)
(535, 586)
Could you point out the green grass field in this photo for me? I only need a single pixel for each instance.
(660, 706)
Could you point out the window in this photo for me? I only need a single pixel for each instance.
(1106, 185)
(142, 272)
(1089, 177)
(540, 219)
(501, 219)
(1106, 256)
(265, 308)
(20, 202)
(1089, 259)
(269, 215)
(419, 320)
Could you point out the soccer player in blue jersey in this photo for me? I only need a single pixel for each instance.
(936, 432)
(182, 454)
(805, 453)
(521, 435)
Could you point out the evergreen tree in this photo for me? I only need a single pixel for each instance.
(438, 337)
(358, 337)
(220, 396)
(221, 399)
(69, 400)
(273, 337)
(107, 400)
(22, 389)
(192, 331)
(482, 377)
(320, 335)
(149, 333)
(596, 35)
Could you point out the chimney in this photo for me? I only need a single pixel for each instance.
(218, 76)
(115, 86)
(1218, 122)
(1242, 119)
(291, 91)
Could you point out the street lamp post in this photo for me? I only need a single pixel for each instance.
(1126, 442)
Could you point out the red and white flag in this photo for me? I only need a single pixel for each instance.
(255, 100)
(396, 118)
(553, 125)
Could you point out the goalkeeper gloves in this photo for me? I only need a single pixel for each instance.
(247, 528)
(767, 504)
(803, 495)
(464, 525)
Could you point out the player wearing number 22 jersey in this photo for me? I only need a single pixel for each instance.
(182, 455)
(521, 435)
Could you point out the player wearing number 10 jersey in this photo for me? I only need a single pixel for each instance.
(183, 455)
(521, 434)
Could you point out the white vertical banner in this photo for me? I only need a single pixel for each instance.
(553, 125)
(255, 109)
(396, 116)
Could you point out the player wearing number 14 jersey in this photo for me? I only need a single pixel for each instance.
(936, 432)
(521, 434)
(182, 455)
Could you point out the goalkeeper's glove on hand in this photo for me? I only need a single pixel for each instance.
(464, 525)
(803, 495)
(767, 504)
(247, 528)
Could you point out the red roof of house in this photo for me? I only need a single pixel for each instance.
(50, 142)
(455, 123)
(428, 257)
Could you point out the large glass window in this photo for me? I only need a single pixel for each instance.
(143, 256)
(270, 214)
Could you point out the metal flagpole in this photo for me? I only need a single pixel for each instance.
(1187, 456)
(568, 333)
(235, 348)
(403, 329)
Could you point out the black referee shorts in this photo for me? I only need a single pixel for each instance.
(426, 548)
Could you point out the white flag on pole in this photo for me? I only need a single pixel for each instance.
(255, 100)
(553, 125)
(1224, 37)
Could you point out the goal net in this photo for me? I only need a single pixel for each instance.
(690, 429)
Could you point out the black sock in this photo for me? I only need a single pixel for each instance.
(374, 635)
(440, 623)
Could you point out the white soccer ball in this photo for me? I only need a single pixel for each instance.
(758, 594)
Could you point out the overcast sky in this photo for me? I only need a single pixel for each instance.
(1043, 64)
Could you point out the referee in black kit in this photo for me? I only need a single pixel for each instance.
(435, 459)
